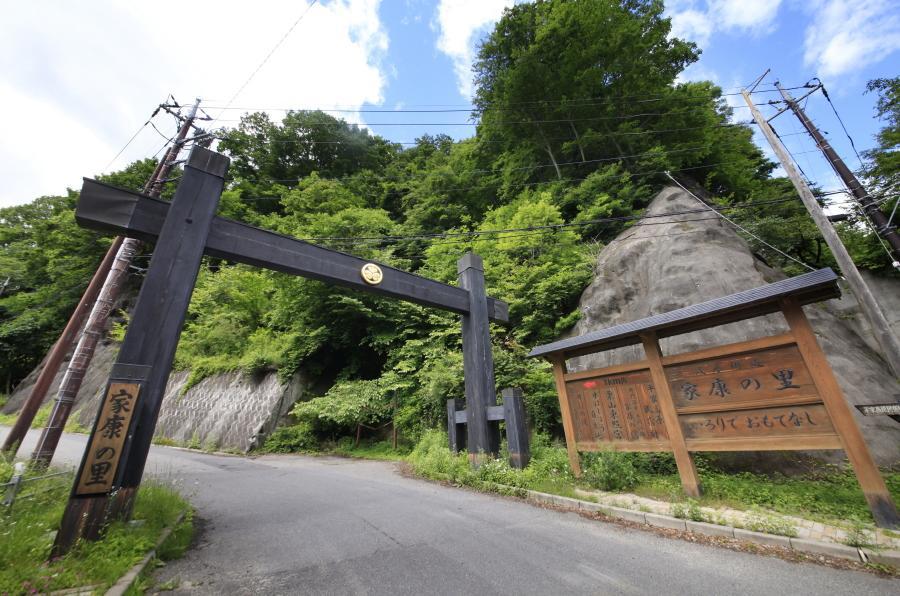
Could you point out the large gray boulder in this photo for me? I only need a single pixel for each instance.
(680, 260)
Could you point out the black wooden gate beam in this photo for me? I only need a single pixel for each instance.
(108, 208)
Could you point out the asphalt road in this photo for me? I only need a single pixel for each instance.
(298, 525)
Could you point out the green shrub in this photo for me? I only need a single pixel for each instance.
(431, 458)
(609, 470)
(689, 509)
(548, 461)
(655, 463)
(289, 439)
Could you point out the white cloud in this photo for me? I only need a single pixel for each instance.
(744, 14)
(459, 22)
(80, 78)
(697, 20)
(697, 72)
(845, 36)
(693, 25)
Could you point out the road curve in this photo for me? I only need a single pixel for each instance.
(302, 525)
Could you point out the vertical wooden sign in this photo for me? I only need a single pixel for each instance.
(105, 449)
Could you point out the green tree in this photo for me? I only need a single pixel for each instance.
(48, 259)
(267, 155)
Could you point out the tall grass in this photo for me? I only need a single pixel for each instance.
(28, 528)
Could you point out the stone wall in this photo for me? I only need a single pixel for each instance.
(231, 411)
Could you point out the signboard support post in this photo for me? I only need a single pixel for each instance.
(559, 377)
(690, 481)
(873, 486)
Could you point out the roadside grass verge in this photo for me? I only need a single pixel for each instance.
(831, 496)
(40, 417)
(28, 528)
(299, 439)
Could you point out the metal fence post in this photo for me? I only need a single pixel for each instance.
(12, 487)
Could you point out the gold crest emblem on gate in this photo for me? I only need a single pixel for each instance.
(371, 274)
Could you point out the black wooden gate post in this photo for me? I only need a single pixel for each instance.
(113, 463)
(456, 431)
(483, 437)
(516, 429)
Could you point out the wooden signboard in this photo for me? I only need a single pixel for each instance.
(619, 411)
(746, 399)
(774, 393)
(101, 463)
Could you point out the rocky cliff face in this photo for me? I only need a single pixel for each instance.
(231, 411)
(680, 260)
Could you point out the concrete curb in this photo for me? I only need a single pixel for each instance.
(121, 586)
(859, 555)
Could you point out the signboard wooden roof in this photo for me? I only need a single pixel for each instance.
(804, 289)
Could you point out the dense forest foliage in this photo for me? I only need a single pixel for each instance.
(580, 113)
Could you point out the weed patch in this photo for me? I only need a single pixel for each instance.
(832, 497)
(28, 528)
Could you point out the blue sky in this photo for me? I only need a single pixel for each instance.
(80, 78)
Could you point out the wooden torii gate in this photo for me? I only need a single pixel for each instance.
(183, 231)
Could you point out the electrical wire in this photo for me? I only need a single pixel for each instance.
(432, 111)
(133, 137)
(739, 226)
(266, 59)
(415, 143)
(846, 132)
(588, 101)
(523, 168)
(341, 123)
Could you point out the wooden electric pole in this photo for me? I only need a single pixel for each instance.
(890, 346)
(95, 328)
(57, 354)
(878, 219)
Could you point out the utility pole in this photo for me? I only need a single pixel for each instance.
(95, 328)
(879, 220)
(57, 354)
(890, 347)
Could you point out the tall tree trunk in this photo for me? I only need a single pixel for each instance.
(549, 151)
(615, 142)
(577, 141)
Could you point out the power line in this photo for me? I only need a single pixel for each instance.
(526, 168)
(588, 101)
(133, 137)
(339, 124)
(846, 132)
(740, 227)
(617, 219)
(415, 143)
(429, 111)
(505, 233)
(266, 59)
